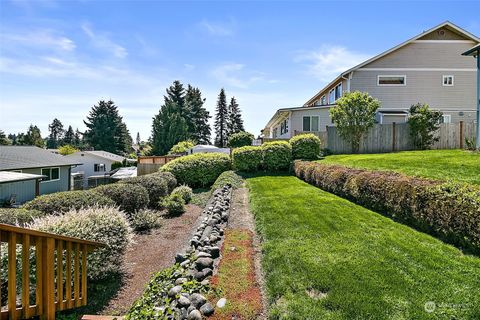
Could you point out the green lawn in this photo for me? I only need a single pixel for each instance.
(457, 165)
(327, 258)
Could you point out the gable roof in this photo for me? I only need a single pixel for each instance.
(102, 154)
(448, 24)
(25, 157)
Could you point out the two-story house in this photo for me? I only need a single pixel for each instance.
(428, 68)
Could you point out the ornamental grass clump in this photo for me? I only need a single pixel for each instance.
(102, 224)
(306, 146)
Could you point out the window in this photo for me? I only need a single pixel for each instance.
(284, 127)
(19, 171)
(310, 123)
(99, 167)
(447, 81)
(447, 118)
(324, 100)
(275, 132)
(331, 96)
(392, 80)
(338, 92)
(52, 174)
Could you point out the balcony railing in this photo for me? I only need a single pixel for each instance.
(46, 272)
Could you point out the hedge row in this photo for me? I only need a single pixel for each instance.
(448, 211)
(271, 156)
(198, 170)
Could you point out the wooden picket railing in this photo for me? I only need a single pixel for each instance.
(59, 262)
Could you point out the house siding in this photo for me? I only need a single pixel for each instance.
(323, 120)
(23, 190)
(53, 186)
(87, 167)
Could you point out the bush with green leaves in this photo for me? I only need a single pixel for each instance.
(277, 155)
(306, 146)
(56, 203)
(19, 216)
(145, 219)
(116, 165)
(423, 123)
(228, 178)
(240, 139)
(184, 191)
(247, 159)
(129, 198)
(156, 186)
(102, 224)
(174, 204)
(198, 170)
(182, 147)
(169, 178)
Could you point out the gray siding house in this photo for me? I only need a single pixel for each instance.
(54, 169)
(428, 68)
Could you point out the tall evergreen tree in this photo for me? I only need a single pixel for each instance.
(69, 136)
(138, 140)
(78, 140)
(168, 128)
(221, 116)
(235, 122)
(106, 130)
(33, 137)
(176, 94)
(56, 134)
(198, 127)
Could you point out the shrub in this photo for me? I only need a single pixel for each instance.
(423, 123)
(182, 147)
(240, 139)
(64, 201)
(145, 219)
(169, 178)
(185, 192)
(248, 158)
(277, 155)
(305, 146)
(230, 178)
(449, 211)
(129, 198)
(156, 186)
(116, 165)
(67, 149)
(19, 217)
(174, 204)
(107, 225)
(198, 170)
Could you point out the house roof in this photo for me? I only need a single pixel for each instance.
(25, 157)
(125, 172)
(9, 176)
(441, 25)
(472, 51)
(102, 154)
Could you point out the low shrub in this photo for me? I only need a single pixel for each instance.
(128, 198)
(64, 201)
(449, 211)
(103, 224)
(185, 192)
(169, 177)
(248, 159)
(305, 146)
(277, 155)
(240, 139)
(156, 186)
(19, 217)
(230, 178)
(198, 170)
(145, 219)
(174, 204)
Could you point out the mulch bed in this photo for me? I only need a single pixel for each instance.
(150, 253)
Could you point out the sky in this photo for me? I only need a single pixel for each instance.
(59, 58)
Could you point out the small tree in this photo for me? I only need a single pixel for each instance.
(423, 123)
(354, 115)
(67, 149)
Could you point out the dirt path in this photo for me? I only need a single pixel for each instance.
(242, 218)
(151, 253)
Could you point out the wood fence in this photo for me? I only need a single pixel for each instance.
(151, 164)
(57, 262)
(395, 137)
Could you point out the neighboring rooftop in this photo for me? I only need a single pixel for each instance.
(25, 157)
(102, 154)
(9, 176)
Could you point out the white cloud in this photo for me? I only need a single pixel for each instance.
(217, 28)
(189, 67)
(38, 39)
(329, 61)
(236, 75)
(102, 41)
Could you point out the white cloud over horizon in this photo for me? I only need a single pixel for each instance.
(102, 41)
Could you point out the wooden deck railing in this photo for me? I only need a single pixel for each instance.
(59, 280)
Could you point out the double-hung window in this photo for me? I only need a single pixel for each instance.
(310, 123)
(284, 127)
(52, 174)
(99, 167)
(331, 96)
(338, 91)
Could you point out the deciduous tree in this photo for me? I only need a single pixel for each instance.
(423, 123)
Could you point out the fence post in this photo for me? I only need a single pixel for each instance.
(48, 276)
(394, 136)
(462, 136)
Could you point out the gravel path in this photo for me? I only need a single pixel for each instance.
(151, 253)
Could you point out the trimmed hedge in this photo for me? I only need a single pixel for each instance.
(449, 211)
(228, 177)
(156, 186)
(277, 155)
(240, 139)
(19, 217)
(248, 159)
(64, 201)
(107, 225)
(306, 146)
(129, 198)
(198, 170)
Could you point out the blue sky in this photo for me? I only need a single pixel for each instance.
(58, 58)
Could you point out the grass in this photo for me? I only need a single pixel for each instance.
(235, 279)
(456, 165)
(327, 258)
